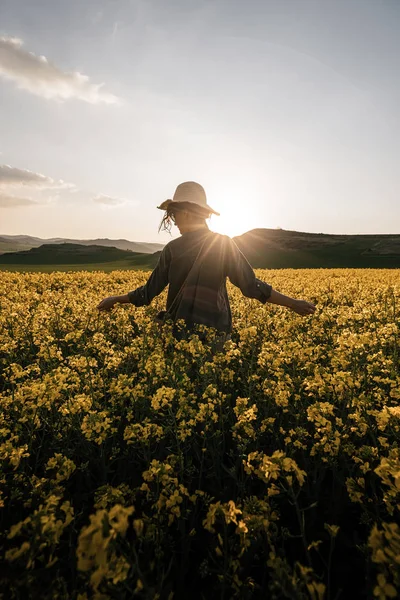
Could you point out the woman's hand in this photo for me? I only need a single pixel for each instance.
(302, 307)
(107, 303)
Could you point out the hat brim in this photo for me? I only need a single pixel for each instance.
(205, 208)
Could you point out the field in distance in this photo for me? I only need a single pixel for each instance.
(76, 257)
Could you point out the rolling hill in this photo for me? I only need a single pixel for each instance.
(70, 256)
(263, 248)
(17, 243)
(279, 248)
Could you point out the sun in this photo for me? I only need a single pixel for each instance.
(237, 204)
(231, 224)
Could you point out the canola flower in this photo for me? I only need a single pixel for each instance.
(136, 465)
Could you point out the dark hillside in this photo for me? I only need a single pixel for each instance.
(66, 254)
(264, 248)
(278, 248)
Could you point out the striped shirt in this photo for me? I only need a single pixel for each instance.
(204, 298)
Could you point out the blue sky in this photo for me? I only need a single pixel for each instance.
(286, 111)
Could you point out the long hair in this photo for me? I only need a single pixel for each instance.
(197, 215)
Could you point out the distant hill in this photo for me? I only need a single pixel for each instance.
(263, 248)
(79, 255)
(278, 248)
(16, 243)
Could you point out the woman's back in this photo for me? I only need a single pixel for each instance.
(198, 260)
(195, 266)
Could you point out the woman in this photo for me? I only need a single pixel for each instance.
(195, 267)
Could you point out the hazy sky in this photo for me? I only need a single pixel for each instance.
(286, 111)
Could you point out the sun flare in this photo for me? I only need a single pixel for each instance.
(231, 225)
(238, 205)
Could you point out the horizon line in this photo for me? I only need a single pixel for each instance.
(161, 242)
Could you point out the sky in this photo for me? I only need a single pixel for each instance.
(286, 111)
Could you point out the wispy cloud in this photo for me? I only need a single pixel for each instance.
(108, 200)
(9, 201)
(115, 29)
(24, 181)
(12, 176)
(97, 17)
(38, 76)
(44, 189)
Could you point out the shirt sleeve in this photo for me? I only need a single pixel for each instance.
(241, 274)
(157, 281)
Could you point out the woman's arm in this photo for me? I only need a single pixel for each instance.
(109, 302)
(144, 294)
(301, 307)
(242, 275)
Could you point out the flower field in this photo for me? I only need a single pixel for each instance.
(137, 466)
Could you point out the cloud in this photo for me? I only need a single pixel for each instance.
(97, 17)
(12, 176)
(115, 29)
(37, 75)
(108, 200)
(44, 190)
(8, 201)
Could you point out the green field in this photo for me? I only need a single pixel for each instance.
(75, 257)
(107, 267)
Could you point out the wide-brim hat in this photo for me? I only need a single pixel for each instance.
(192, 192)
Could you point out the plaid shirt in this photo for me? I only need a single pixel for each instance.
(204, 298)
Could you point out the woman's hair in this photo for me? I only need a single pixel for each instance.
(197, 215)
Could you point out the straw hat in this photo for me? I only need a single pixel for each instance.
(192, 192)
